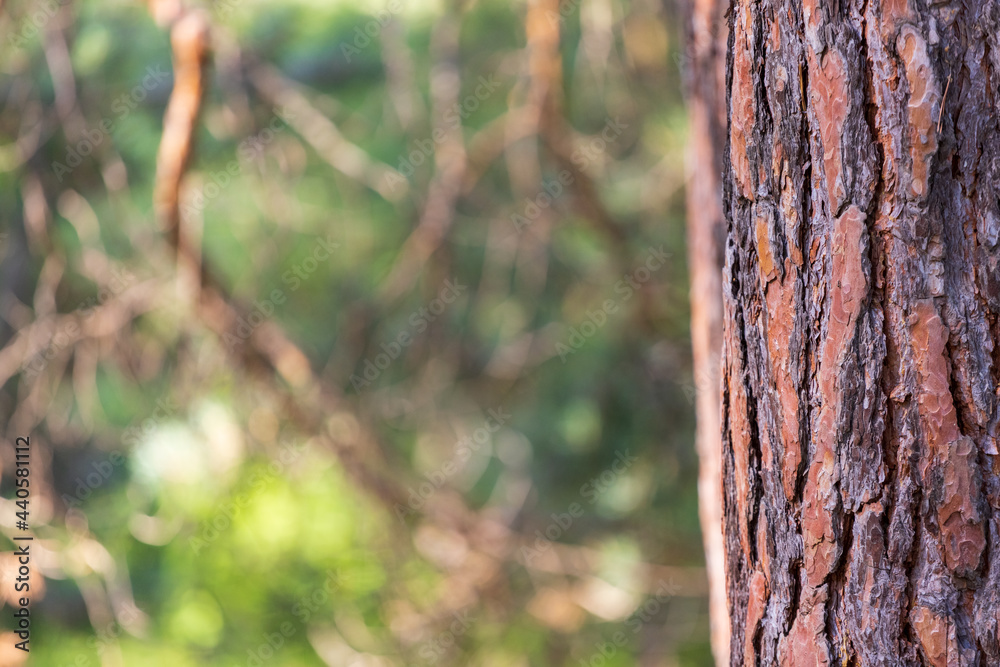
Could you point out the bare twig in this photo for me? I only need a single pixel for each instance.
(321, 133)
(449, 160)
(189, 37)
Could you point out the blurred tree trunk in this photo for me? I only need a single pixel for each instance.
(705, 74)
(862, 310)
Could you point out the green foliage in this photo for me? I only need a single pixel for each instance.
(233, 552)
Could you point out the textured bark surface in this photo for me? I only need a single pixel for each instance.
(705, 73)
(861, 296)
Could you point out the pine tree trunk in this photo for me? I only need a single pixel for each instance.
(705, 74)
(861, 296)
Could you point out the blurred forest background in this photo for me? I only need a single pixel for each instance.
(403, 377)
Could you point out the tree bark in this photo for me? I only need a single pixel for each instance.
(705, 74)
(860, 365)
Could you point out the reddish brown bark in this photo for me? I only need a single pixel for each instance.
(861, 296)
